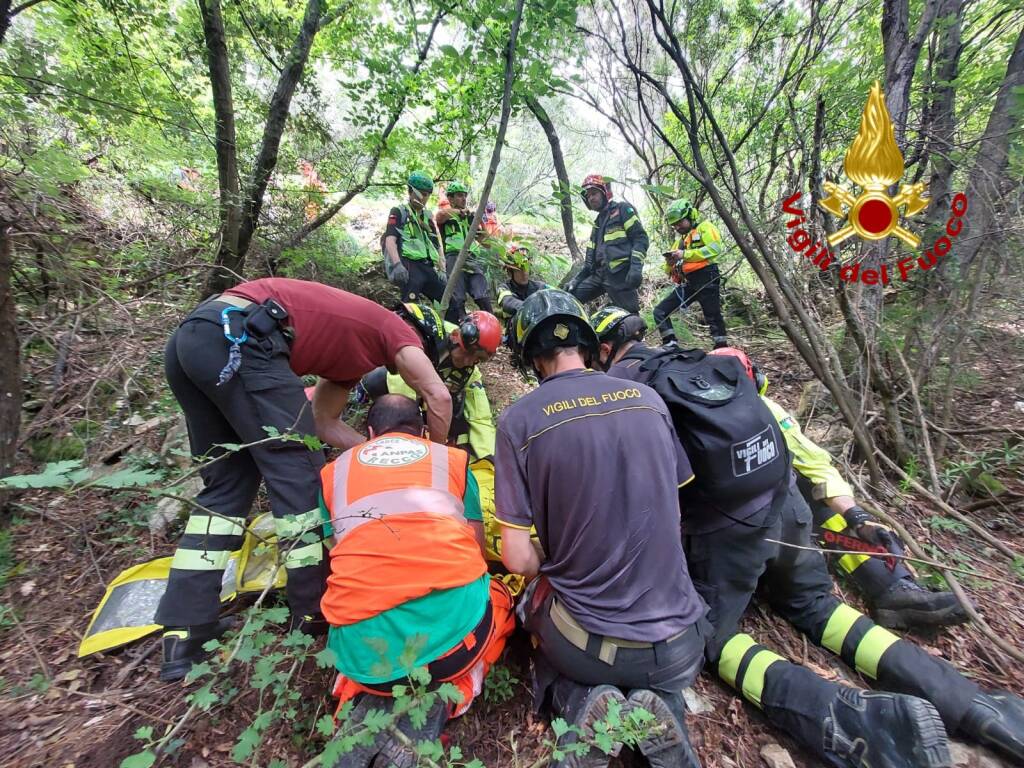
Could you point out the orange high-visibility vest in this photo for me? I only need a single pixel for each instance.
(400, 532)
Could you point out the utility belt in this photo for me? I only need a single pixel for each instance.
(604, 647)
(258, 320)
(458, 660)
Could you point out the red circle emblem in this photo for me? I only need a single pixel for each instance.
(875, 216)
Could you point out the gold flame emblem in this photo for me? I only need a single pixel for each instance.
(875, 163)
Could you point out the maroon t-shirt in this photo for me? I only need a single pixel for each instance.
(338, 336)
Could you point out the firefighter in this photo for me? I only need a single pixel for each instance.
(234, 366)
(517, 259)
(618, 246)
(691, 265)
(730, 551)
(453, 223)
(894, 597)
(412, 246)
(608, 614)
(456, 351)
(401, 570)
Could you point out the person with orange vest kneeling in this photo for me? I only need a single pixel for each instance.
(408, 579)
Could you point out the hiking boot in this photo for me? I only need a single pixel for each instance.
(361, 755)
(996, 719)
(183, 647)
(584, 706)
(397, 753)
(312, 624)
(908, 605)
(668, 743)
(720, 342)
(865, 729)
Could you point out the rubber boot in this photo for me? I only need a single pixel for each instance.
(668, 743)
(183, 647)
(865, 729)
(908, 605)
(314, 625)
(996, 719)
(583, 706)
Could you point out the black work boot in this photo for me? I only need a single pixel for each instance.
(720, 341)
(312, 624)
(996, 719)
(908, 605)
(401, 753)
(668, 743)
(362, 754)
(865, 729)
(583, 706)
(183, 647)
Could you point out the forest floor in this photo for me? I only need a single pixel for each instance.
(61, 711)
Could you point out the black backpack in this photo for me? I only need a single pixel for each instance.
(730, 436)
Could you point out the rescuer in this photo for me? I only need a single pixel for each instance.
(412, 245)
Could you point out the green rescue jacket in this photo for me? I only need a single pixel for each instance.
(418, 240)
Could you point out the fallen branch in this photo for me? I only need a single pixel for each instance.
(978, 529)
(887, 555)
(951, 580)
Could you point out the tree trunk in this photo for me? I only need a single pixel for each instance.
(564, 186)
(984, 189)
(10, 371)
(277, 116)
(228, 261)
(499, 140)
(942, 110)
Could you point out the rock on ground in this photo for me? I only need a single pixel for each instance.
(776, 756)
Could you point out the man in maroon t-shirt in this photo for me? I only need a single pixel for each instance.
(234, 366)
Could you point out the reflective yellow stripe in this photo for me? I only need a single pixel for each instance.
(617, 235)
(835, 523)
(839, 624)
(179, 633)
(213, 525)
(615, 264)
(311, 554)
(609, 320)
(200, 560)
(753, 678)
(629, 222)
(293, 526)
(850, 563)
(732, 655)
(870, 649)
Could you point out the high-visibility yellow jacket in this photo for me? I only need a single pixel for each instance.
(477, 433)
(809, 459)
(701, 246)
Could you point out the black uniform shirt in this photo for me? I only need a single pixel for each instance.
(594, 464)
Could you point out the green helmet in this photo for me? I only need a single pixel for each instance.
(538, 312)
(425, 319)
(518, 256)
(456, 187)
(680, 209)
(421, 180)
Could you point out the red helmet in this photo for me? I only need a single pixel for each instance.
(479, 329)
(759, 379)
(597, 180)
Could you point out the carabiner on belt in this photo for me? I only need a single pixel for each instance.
(235, 351)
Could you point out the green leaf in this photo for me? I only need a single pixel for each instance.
(277, 615)
(326, 659)
(127, 478)
(325, 726)
(145, 733)
(142, 759)
(312, 442)
(205, 697)
(560, 727)
(376, 720)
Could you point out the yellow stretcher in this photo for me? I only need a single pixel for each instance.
(128, 608)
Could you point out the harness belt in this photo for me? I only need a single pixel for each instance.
(234, 301)
(571, 630)
(457, 660)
